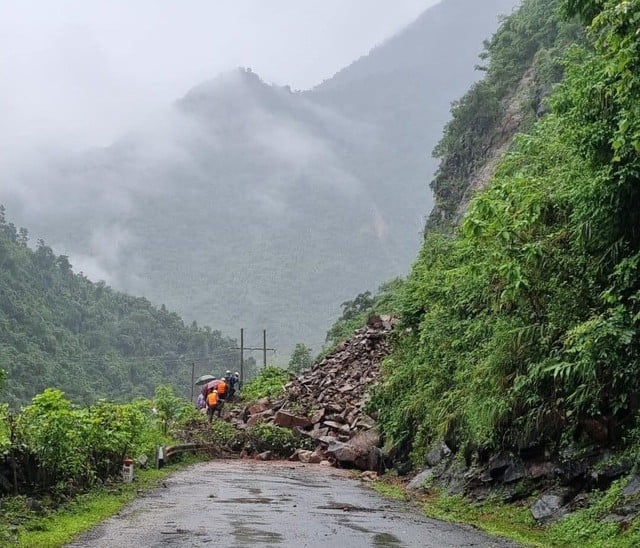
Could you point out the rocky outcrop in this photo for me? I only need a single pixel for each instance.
(552, 488)
(511, 124)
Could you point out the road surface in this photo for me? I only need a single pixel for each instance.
(255, 504)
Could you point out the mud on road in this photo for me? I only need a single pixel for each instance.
(256, 504)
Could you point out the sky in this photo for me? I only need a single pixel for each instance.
(77, 73)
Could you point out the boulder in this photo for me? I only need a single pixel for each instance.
(343, 452)
(633, 487)
(282, 418)
(514, 473)
(419, 481)
(547, 507)
(309, 457)
(260, 417)
(436, 455)
(259, 406)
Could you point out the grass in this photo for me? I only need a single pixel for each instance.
(390, 490)
(583, 528)
(503, 520)
(500, 520)
(20, 527)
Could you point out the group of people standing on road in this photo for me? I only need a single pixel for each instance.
(212, 399)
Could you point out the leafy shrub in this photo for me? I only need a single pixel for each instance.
(226, 433)
(170, 408)
(4, 428)
(269, 382)
(55, 432)
(66, 447)
(522, 327)
(269, 437)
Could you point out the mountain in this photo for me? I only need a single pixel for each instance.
(59, 329)
(250, 205)
(514, 370)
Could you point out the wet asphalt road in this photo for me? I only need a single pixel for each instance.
(255, 504)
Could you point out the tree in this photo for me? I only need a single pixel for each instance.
(586, 9)
(300, 359)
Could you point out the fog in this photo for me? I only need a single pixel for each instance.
(132, 142)
(78, 73)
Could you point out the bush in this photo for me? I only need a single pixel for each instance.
(269, 382)
(64, 448)
(269, 437)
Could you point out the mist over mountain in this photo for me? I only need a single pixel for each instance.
(251, 205)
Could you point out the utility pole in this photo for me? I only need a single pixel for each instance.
(193, 380)
(242, 357)
(264, 348)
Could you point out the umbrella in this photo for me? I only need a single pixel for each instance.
(204, 379)
(213, 384)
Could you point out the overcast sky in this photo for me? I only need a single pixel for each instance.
(81, 72)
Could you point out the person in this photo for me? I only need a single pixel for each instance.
(231, 385)
(200, 403)
(222, 389)
(238, 384)
(212, 403)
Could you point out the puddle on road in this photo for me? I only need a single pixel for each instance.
(290, 480)
(345, 507)
(379, 540)
(245, 500)
(249, 536)
(345, 522)
(386, 540)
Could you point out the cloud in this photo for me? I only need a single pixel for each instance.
(81, 73)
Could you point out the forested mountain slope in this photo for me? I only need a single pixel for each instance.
(249, 205)
(520, 328)
(59, 329)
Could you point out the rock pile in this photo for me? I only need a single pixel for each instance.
(326, 403)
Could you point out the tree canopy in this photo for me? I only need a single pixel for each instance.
(59, 329)
(521, 327)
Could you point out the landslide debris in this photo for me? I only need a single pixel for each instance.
(327, 403)
(322, 411)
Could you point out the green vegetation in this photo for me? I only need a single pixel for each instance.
(365, 305)
(58, 329)
(269, 382)
(390, 490)
(280, 441)
(60, 448)
(521, 328)
(55, 525)
(300, 359)
(584, 527)
(528, 45)
(68, 461)
(512, 521)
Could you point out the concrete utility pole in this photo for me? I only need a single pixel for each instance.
(242, 357)
(264, 348)
(242, 348)
(193, 379)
